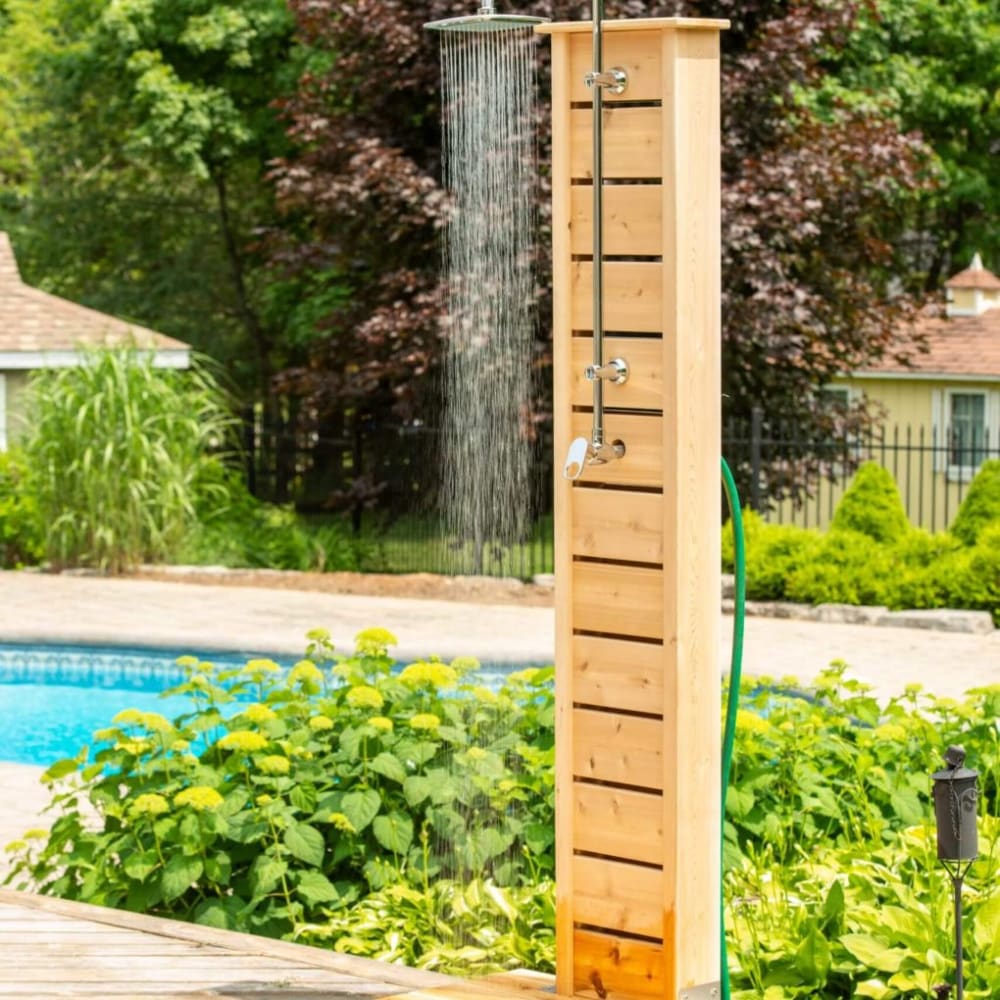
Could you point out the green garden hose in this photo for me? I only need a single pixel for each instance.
(735, 673)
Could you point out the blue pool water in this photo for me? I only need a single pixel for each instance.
(53, 698)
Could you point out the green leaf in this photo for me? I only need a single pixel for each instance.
(873, 988)
(306, 843)
(265, 873)
(141, 866)
(416, 788)
(219, 868)
(812, 957)
(873, 952)
(179, 874)
(303, 797)
(833, 905)
(394, 832)
(986, 926)
(60, 769)
(361, 807)
(388, 766)
(314, 887)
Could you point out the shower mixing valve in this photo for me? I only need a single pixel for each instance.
(615, 371)
(614, 81)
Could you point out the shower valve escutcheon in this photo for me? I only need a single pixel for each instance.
(614, 81)
(615, 371)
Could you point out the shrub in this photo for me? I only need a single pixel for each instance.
(774, 552)
(235, 529)
(21, 535)
(337, 780)
(872, 506)
(116, 451)
(845, 568)
(972, 580)
(981, 506)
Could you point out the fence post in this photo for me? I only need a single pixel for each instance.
(756, 464)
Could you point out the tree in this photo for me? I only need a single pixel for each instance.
(813, 205)
(149, 126)
(934, 68)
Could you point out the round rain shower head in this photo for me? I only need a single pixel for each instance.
(484, 21)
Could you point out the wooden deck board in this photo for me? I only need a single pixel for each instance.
(53, 949)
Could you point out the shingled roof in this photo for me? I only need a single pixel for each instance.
(39, 329)
(965, 345)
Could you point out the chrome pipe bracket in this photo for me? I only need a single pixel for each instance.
(615, 372)
(614, 81)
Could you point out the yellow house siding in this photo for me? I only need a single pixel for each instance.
(914, 414)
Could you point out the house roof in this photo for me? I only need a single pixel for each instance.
(36, 327)
(965, 346)
(974, 276)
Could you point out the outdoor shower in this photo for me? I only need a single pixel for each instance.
(636, 346)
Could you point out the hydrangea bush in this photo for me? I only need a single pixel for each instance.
(283, 798)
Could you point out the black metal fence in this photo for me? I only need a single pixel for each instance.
(791, 478)
(381, 481)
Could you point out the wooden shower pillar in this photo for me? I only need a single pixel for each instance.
(637, 540)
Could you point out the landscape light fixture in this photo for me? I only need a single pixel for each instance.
(956, 794)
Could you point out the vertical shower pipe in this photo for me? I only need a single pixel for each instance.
(597, 434)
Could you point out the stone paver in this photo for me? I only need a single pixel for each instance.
(40, 607)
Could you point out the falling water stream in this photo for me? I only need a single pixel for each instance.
(490, 172)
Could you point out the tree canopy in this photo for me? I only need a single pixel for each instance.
(262, 178)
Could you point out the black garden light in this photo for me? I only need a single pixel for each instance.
(956, 794)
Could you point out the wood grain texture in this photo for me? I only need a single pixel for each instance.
(633, 296)
(620, 600)
(563, 432)
(691, 376)
(619, 525)
(633, 219)
(618, 896)
(633, 143)
(639, 55)
(624, 967)
(642, 464)
(616, 673)
(644, 388)
(620, 823)
(618, 748)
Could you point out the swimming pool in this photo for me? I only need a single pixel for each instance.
(53, 698)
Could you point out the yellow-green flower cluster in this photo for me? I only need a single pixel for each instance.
(201, 798)
(341, 822)
(148, 720)
(150, 805)
(381, 723)
(274, 764)
(374, 641)
(364, 696)
(751, 722)
(242, 739)
(425, 721)
(259, 713)
(306, 673)
(134, 747)
(429, 674)
(320, 723)
(522, 676)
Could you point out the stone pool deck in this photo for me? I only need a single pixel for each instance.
(197, 618)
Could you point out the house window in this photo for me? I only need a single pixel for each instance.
(967, 429)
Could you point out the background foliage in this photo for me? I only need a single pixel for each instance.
(275, 199)
(871, 555)
(406, 814)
